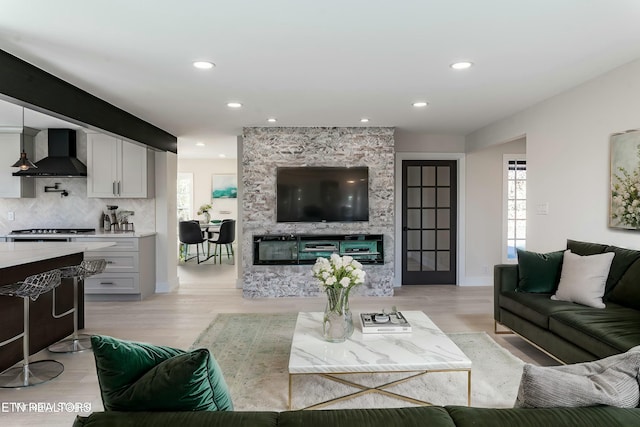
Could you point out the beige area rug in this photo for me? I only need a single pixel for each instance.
(253, 353)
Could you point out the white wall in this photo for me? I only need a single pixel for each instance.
(568, 157)
(428, 143)
(166, 222)
(202, 170)
(485, 209)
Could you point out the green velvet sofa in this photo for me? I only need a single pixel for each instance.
(572, 332)
(431, 416)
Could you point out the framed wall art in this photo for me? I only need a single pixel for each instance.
(224, 186)
(624, 200)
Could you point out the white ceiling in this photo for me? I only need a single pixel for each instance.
(320, 63)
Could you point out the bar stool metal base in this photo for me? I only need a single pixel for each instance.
(76, 344)
(31, 374)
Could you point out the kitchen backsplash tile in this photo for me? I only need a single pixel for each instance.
(75, 210)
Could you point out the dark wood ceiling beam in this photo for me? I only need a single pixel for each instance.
(34, 87)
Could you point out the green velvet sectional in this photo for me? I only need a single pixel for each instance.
(430, 416)
(571, 332)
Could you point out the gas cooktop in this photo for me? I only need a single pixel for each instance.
(55, 231)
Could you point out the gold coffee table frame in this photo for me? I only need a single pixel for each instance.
(380, 389)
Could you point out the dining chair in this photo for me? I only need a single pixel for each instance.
(190, 233)
(226, 237)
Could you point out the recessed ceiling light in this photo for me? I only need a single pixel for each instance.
(222, 156)
(272, 120)
(462, 65)
(364, 120)
(234, 105)
(420, 104)
(200, 144)
(203, 65)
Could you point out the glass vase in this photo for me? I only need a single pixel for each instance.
(207, 217)
(337, 323)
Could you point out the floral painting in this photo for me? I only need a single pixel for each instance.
(625, 180)
(224, 187)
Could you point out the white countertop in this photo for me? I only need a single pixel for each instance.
(112, 234)
(17, 253)
(98, 234)
(425, 348)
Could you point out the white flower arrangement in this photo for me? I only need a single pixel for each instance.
(338, 272)
(204, 209)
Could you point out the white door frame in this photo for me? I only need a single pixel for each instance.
(460, 258)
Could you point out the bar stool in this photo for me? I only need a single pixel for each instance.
(30, 373)
(77, 342)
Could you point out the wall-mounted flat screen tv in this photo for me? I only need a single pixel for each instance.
(322, 194)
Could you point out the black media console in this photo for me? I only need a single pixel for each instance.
(294, 249)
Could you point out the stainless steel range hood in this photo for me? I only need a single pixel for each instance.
(61, 160)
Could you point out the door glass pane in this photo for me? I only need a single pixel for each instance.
(429, 176)
(443, 261)
(521, 209)
(521, 189)
(428, 261)
(511, 192)
(443, 218)
(444, 199)
(413, 261)
(429, 197)
(413, 218)
(413, 197)
(444, 173)
(511, 209)
(428, 218)
(521, 229)
(429, 239)
(413, 240)
(443, 239)
(511, 228)
(413, 175)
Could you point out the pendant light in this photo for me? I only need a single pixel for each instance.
(23, 162)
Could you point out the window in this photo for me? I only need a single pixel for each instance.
(515, 206)
(185, 196)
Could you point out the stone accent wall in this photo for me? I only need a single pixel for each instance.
(265, 149)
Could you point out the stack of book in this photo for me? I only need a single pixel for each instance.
(384, 323)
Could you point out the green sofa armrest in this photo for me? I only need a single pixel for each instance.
(505, 278)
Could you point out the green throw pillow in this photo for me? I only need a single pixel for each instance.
(143, 377)
(539, 273)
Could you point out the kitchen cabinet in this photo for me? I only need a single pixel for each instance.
(118, 168)
(10, 149)
(131, 269)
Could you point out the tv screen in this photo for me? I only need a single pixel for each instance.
(322, 194)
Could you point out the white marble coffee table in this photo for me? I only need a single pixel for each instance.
(426, 349)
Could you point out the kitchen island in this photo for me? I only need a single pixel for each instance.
(131, 263)
(21, 259)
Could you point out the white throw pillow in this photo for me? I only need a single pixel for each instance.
(583, 278)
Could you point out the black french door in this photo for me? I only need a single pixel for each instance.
(429, 222)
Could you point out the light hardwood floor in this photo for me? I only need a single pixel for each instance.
(177, 319)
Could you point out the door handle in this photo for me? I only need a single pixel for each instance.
(113, 188)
